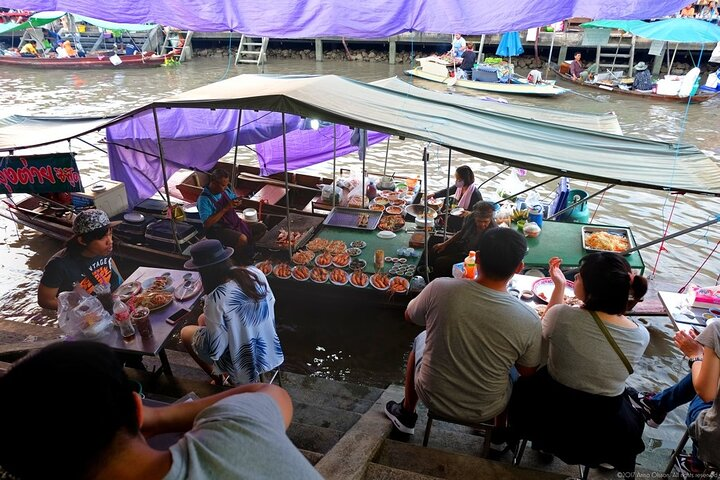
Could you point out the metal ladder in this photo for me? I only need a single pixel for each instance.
(618, 54)
(252, 50)
(173, 39)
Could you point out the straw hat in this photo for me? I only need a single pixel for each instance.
(641, 66)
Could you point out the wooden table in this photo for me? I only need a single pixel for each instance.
(673, 304)
(162, 330)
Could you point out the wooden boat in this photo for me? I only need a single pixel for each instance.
(436, 71)
(85, 63)
(699, 97)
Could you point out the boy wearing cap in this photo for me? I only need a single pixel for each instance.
(85, 260)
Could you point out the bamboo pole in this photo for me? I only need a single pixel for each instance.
(287, 186)
(165, 181)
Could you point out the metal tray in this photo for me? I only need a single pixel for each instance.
(298, 223)
(623, 232)
(347, 218)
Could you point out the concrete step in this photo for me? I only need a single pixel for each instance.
(324, 417)
(313, 457)
(330, 393)
(382, 472)
(311, 438)
(451, 466)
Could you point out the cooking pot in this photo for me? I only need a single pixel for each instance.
(386, 183)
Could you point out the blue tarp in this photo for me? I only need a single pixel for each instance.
(682, 30)
(366, 19)
(510, 45)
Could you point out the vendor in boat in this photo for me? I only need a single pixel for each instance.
(85, 261)
(29, 49)
(463, 194)
(457, 45)
(468, 61)
(69, 49)
(643, 78)
(578, 72)
(216, 206)
(444, 254)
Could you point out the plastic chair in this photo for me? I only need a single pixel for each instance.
(709, 469)
(488, 428)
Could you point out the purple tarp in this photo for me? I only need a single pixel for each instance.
(366, 19)
(198, 138)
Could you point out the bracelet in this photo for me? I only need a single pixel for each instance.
(692, 360)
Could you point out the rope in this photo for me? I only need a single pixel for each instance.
(700, 268)
(602, 195)
(667, 227)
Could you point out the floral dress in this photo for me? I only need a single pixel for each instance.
(239, 336)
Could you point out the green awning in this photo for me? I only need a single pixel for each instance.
(130, 27)
(43, 18)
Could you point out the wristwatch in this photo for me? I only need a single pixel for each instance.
(692, 360)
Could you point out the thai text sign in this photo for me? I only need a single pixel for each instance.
(55, 172)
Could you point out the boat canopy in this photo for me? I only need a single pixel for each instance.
(366, 19)
(43, 18)
(681, 30)
(19, 131)
(491, 135)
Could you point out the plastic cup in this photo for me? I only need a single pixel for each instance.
(126, 328)
(141, 318)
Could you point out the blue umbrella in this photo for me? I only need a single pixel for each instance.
(510, 45)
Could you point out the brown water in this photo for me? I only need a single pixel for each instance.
(370, 346)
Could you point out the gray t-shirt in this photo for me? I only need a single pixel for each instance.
(706, 429)
(239, 437)
(474, 336)
(580, 356)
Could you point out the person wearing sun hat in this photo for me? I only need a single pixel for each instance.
(235, 340)
(643, 78)
(85, 261)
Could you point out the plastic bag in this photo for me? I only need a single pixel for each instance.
(511, 185)
(327, 191)
(82, 314)
(533, 198)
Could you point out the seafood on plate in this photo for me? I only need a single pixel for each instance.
(335, 247)
(265, 267)
(300, 273)
(358, 244)
(317, 244)
(323, 260)
(354, 252)
(381, 201)
(362, 220)
(393, 210)
(359, 279)
(302, 257)
(391, 223)
(282, 270)
(286, 239)
(380, 281)
(341, 259)
(153, 299)
(377, 207)
(319, 275)
(399, 285)
(339, 277)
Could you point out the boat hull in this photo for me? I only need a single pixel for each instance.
(539, 90)
(84, 63)
(698, 98)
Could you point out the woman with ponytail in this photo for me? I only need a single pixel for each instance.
(235, 339)
(591, 352)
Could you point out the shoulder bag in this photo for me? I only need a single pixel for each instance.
(612, 342)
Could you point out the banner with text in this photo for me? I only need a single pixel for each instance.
(55, 172)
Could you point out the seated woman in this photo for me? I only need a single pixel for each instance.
(443, 255)
(576, 407)
(235, 339)
(463, 194)
(699, 388)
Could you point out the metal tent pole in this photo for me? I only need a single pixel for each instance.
(486, 181)
(426, 159)
(571, 206)
(447, 194)
(165, 181)
(334, 163)
(237, 139)
(512, 197)
(287, 186)
(673, 235)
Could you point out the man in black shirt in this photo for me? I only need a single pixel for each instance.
(468, 59)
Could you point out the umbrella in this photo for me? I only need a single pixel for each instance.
(510, 46)
(681, 30)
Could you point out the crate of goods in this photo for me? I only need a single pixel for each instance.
(132, 229)
(152, 206)
(159, 234)
(107, 195)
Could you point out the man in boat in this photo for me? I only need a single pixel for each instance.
(69, 49)
(216, 206)
(579, 73)
(103, 433)
(643, 78)
(461, 365)
(29, 49)
(456, 46)
(85, 261)
(468, 61)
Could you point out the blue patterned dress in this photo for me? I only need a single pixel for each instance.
(239, 337)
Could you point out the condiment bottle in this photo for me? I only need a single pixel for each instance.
(371, 191)
(470, 265)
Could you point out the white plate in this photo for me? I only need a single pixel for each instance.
(367, 281)
(147, 283)
(386, 234)
(294, 269)
(374, 286)
(134, 217)
(339, 283)
(457, 211)
(543, 288)
(98, 188)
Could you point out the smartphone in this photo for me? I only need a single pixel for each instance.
(172, 319)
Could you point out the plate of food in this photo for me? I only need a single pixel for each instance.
(359, 279)
(338, 277)
(399, 285)
(154, 300)
(319, 275)
(127, 290)
(303, 257)
(358, 244)
(341, 260)
(392, 223)
(543, 289)
(354, 252)
(300, 273)
(324, 260)
(335, 247)
(602, 239)
(457, 212)
(282, 270)
(380, 281)
(317, 244)
(162, 283)
(381, 201)
(393, 210)
(188, 290)
(358, 264)
(266, 267)
(377, 207)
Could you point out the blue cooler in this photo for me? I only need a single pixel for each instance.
(485, 73)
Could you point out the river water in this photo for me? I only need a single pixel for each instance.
(373, 352)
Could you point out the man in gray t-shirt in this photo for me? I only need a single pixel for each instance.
(476, 332)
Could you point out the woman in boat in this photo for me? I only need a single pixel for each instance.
(235, 339)
(591, 353)
(643, 79)
(456, 46)
(85, 261)
(463, 194)
(444, 254)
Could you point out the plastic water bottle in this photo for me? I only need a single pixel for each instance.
(371, 191)
(470, 265)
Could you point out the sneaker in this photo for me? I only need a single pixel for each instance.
(403, 420)
(689, 467)
(642, 401)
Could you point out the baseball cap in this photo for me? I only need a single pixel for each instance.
(89, 220)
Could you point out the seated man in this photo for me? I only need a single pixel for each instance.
(578, 73)
(29, 49)
(69, 49)
(460, 366)
(102, 433)
(216, 207)
(643, 78)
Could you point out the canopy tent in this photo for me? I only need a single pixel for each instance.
(681, 30)
(368, 19)
(19, 131)
(43, 18)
